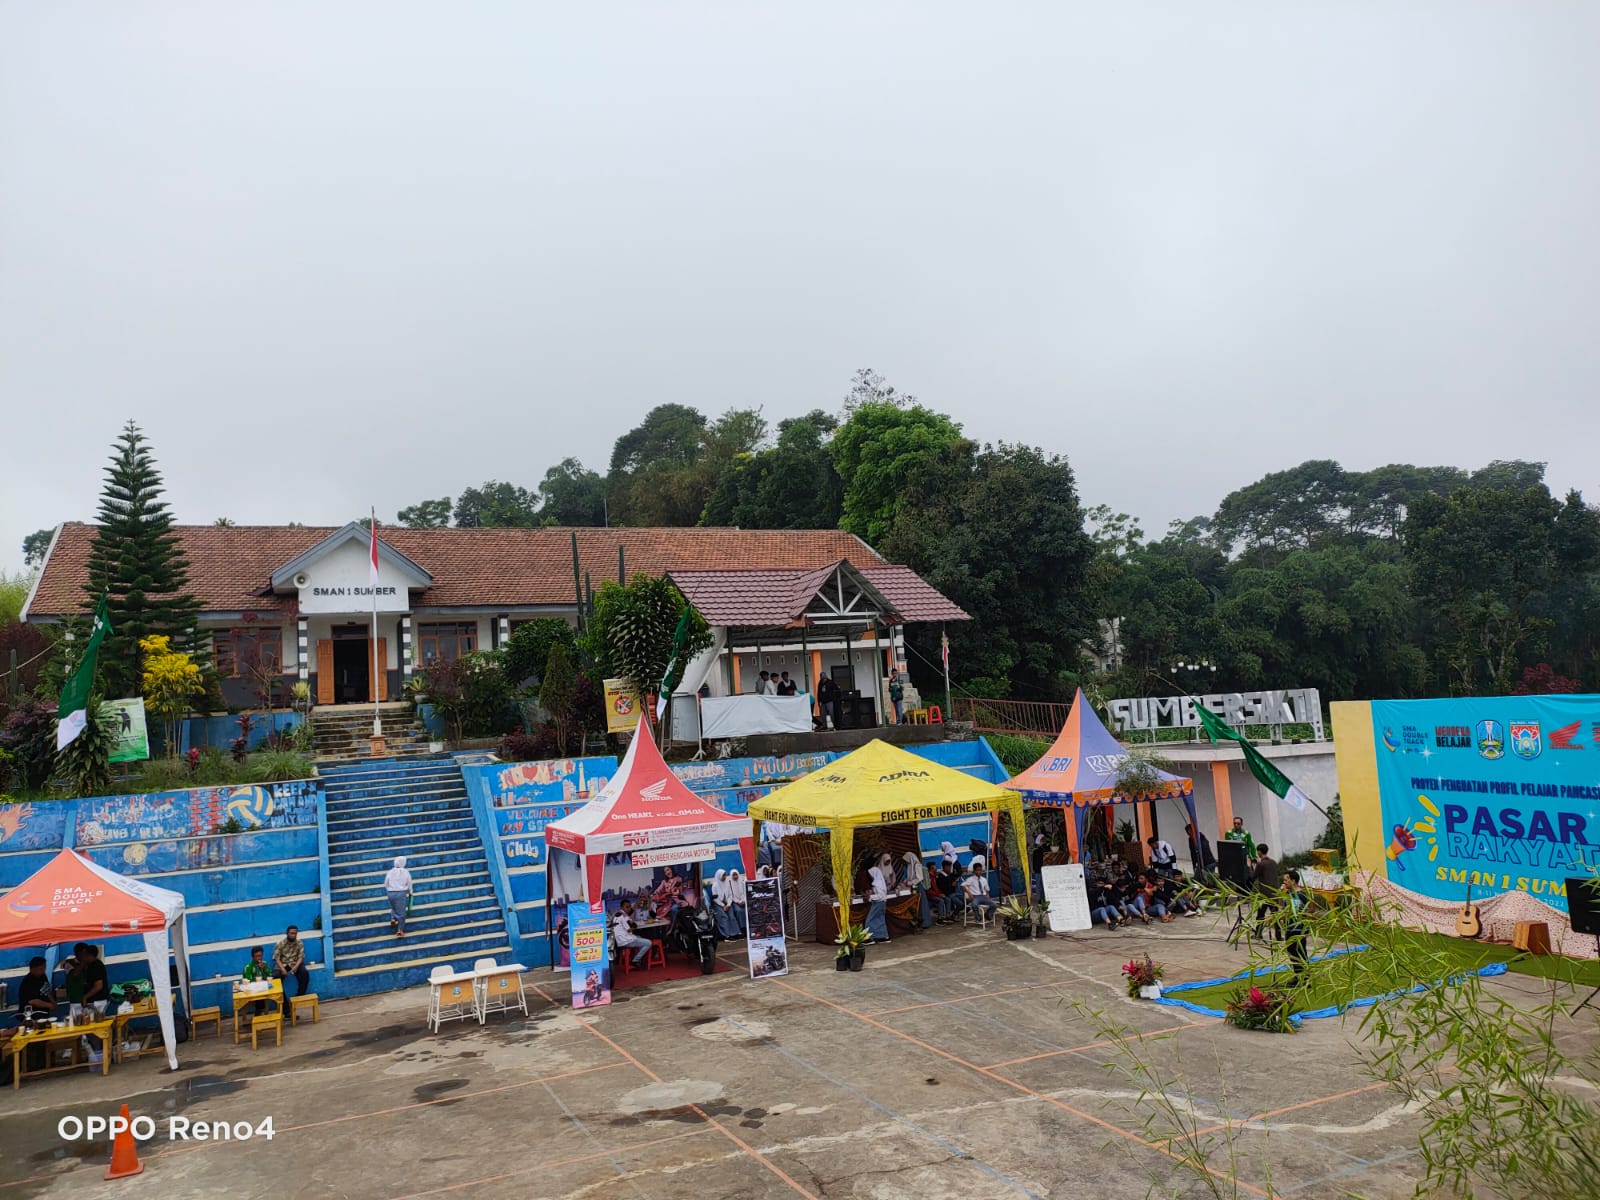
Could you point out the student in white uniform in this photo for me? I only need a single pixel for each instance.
(627, 939)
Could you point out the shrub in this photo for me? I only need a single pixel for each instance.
(86, 760)
(1017, 751)
(472, 694)
(1332, 838)
(29, 736)
(537, 746)
(1141, 973)
(1260, 1008)
(276, 766)
(528, 649)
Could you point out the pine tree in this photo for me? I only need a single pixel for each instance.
(136, 561)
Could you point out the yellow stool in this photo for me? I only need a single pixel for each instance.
(917, 716)
(212, 1015)
(309, 1000)
(272, 1021)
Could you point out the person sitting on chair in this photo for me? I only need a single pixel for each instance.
(626, 939)
(257, 970)
(34, 993)
(976, 888)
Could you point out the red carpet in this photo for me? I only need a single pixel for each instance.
(676, 968)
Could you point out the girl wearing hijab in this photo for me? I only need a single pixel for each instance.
(950, 855)
(736, 893)
(722, 904)
(917, 879)
(882, 876)
(397, 885)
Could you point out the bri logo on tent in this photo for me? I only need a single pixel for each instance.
(1056, 763)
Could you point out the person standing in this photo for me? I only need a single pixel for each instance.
(34, 993)
(289, 961)
(897, 697)
(1205, 862)
(882, 877)
(1268, 881)
(1240, 834)
(95, 987)
(1294, 929)
(397, 886)
(916, 877)
(827, 700)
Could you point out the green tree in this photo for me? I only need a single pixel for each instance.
(13, 595)
(1487, 564)
(1284, 511)
(426, 514)
(572, 495)
(558, 691)
(794, 485)
(670, 466)
(35, 546)
(527, 650)
(630, 634)
(496, 505)
(1000, 531)
(135, 560)
(869, 387)
(223, 522)
(878, 452)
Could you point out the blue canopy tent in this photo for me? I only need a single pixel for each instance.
(1079, 772)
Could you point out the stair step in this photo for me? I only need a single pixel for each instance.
(342, 875)
(413, 947)
(359, 908)
(422, 917)
(421, 886)
(489, 926)
(374, 849)
(402, 832)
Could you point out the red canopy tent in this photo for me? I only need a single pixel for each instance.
(71, 898)
(644, 807)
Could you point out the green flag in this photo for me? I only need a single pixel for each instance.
(1274, 780)
(73, 711)
(675, 665)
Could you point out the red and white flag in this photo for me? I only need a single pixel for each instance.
(944, 650)
(372, 574)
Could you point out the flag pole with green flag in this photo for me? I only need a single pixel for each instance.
(1268, 775)
(73, 710)
(673, 675)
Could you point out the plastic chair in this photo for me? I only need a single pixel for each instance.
(484, 964)
(968, 912)
(935, 715)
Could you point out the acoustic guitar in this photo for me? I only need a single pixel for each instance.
(1468, 923)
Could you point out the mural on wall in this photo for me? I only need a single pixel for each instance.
(1495, 794)
(179, 854)
(556, 781)
(33, 826)
(728, 774)
(196, 812)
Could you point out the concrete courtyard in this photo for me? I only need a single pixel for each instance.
(956, 1065)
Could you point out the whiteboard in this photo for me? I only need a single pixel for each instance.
(1068, 896)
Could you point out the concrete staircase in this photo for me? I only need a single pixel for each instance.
(417, 807)
(342, 733)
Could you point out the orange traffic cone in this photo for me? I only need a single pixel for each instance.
(124, 1154)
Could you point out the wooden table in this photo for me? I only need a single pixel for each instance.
(103, 1030)
(145, 1008)
(272, 995)
(827, 918)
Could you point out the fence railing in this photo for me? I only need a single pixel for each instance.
(1037, 718)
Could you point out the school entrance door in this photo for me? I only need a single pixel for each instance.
(345, 667)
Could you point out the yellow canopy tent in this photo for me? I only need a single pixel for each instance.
(881, 784)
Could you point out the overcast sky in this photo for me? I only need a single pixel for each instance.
(338, 254)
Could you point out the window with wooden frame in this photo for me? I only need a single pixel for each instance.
(446, 641)
(248, 651)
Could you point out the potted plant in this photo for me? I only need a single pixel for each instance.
(1261, 1008)
(1143, 978)
(1041, 918)
(1017, 916)
(852, 942)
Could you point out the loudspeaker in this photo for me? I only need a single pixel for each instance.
(1231, 864)
(1583, 905)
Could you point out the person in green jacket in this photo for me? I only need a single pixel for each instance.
(258, 970)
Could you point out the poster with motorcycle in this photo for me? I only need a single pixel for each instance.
(591, 964)
(769, 954)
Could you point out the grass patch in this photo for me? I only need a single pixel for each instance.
(1338, 981)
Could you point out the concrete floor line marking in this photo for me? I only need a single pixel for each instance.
(1012, 1062)
(1100, 1122)
(931, 1136)
(1032, 987)
(1304, 1104)
(698, 1111)
(549, 1166)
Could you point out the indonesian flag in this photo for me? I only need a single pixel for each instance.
(944, 649)
(372, 574)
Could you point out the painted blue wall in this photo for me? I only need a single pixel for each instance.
(239, 889)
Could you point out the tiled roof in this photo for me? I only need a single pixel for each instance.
(231, 566)
(751, 599)
(912, 596)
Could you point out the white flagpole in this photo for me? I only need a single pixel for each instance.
(377, 720)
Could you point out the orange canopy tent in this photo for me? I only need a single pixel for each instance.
(1080, 770)
(71, 898)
